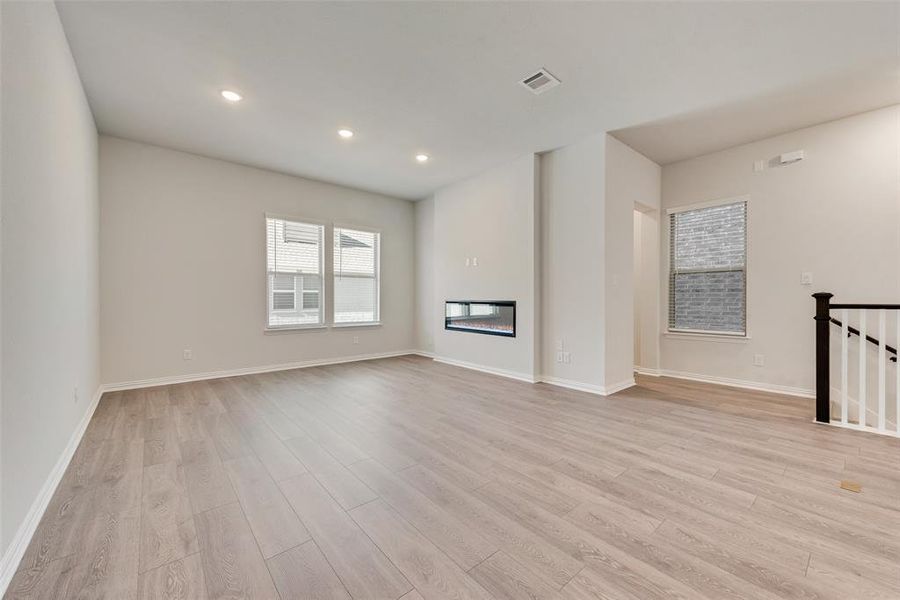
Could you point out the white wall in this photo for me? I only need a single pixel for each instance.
(49, 261)
(631, 179)
(492, 217)
(424, 256)
(183, 264)
(835, 214)
(573, 262)
(646, 291)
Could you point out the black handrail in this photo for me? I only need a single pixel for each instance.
(869, 338)
(865, 306)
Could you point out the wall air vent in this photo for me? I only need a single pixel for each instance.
(540, 82)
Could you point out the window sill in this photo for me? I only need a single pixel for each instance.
(370, 324)
(293, 329)
(733, 338)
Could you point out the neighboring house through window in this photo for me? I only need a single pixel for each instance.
(356, 276)
(294, 265)
(708, 269)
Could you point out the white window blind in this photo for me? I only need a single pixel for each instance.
(707, 269)
(356, 276)
(294, 264)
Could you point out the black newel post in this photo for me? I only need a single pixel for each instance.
(823, 343)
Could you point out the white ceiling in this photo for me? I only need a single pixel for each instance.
(442, 78)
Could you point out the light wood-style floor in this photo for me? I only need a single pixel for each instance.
(404, 478)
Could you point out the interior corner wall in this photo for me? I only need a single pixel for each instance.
(631, 180)
(835, 214)
(491, 218)
(49, 309)
(573, 263)
(182, 242)
(424, 257)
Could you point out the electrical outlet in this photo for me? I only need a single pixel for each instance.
(188, 354)
(759, 360)
(75, 394)
(355, 339)
(566, 357)
(806, 278)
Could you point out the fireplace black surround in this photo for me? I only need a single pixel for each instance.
(490, 317)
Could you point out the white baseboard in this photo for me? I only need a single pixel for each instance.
(485, 369)
(646, 371)
(590, 388)
(574, 385)
(424, 353)
(9, 563)
(154, 381)
(741, 383)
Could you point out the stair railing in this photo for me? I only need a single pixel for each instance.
(824, 320)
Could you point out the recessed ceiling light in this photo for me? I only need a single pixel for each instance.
(345, 133)
(231, 96)
(422, 158)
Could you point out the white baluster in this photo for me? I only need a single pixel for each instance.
(862, 368)
(897, 372)
(882, 359)
(845, 322)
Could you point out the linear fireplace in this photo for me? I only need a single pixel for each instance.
(491, 317)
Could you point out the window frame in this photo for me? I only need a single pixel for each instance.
(322, 322)
(704, 333)
(377, 276)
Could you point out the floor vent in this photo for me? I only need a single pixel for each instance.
(540, 82)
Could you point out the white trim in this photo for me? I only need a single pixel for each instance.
(574, 385)
(741, 383)
(600, 390)
(287, 328)
(10, 560)
(566, 383)
(672, 210)
(618, 387)
(154, 381)
(355, 324)
(492, 370)
(646, 371)
(682, 334)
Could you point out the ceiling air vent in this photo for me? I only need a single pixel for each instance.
(540, 82)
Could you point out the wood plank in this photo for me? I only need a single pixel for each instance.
(232, 564)
(302, 573)
(178, 580)
(271, 518)
(207, 484)
(364, 569)
(460, 542)
(109, 566)
(426, 567)
(343, 485)
(505, 578)
(167, 524)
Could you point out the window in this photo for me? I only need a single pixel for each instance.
(356, 276)
(294, 270)
(707, 269)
